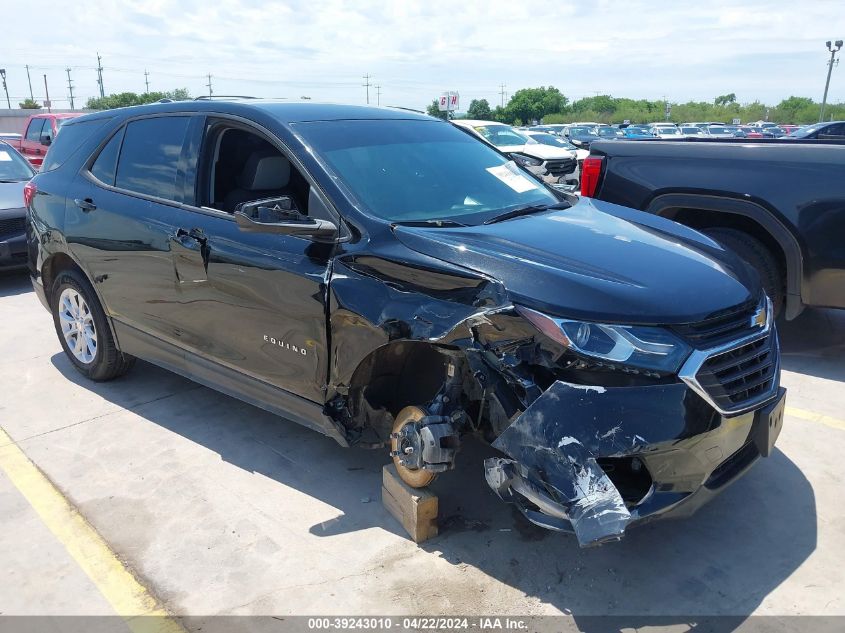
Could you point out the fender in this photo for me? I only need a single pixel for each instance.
(663, 203)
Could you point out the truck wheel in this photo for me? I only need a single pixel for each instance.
(414, 477)
(83, 330)
(761, 259)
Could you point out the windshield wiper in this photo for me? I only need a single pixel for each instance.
(526, 210)
(437, 223)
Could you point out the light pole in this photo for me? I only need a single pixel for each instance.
(5, 89)
(833, 50)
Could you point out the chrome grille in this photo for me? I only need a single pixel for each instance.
(742, 375)
(560, 167)
(739, 365)
(720, 327)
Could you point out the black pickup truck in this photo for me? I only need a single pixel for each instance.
(779, 204)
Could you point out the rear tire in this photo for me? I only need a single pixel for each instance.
(83, 329)
(759, 257)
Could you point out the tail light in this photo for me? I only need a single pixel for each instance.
(29, 191)
(590, 175)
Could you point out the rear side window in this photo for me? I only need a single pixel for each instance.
(149, 158)
(33, 132)
(71, 139)
(105, 166)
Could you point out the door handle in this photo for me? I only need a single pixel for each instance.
(86, 205)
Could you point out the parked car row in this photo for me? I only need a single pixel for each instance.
(583, 134)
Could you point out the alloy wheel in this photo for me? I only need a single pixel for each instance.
(78, 327)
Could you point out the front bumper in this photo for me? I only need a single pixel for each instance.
(595, 460)
(13, 250)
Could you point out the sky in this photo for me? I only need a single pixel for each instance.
(759, 50)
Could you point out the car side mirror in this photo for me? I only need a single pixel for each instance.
(276, 215)
(46, 139)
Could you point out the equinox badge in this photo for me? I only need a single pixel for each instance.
(287, 346)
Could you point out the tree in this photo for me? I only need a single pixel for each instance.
(479, 109)
(723, 100)
(796, 109)
(433, 109)
(124, 99)
(29, 104)
(528, 104)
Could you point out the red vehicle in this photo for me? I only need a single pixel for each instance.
(751, 132)
(41, 129)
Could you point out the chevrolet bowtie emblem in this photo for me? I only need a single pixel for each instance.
(759, 318)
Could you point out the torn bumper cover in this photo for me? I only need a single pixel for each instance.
(594, 460)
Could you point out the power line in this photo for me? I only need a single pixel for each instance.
(367, 84)
(69, 88)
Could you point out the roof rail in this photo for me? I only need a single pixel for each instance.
(408, 109)
(222, 97)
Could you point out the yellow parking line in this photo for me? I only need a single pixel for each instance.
(128, 597)
(812, 416)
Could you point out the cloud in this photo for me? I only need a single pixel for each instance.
(413, 50)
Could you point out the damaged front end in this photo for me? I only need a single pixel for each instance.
(595, 459)
(600, 426)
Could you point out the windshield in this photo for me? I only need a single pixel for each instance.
(13, 166)
(635, 130)
(417, 171)
(717, 129)
(582, 131)
(608, 132)
(663, 131)
(501, 135)
(551, 139)
(690, 130)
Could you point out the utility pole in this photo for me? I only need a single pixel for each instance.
(147, 81)
(833, 50)
(69, 87)
(100, 76)
(367, 85)
(47, 94)
(210, 91)
(378, 94)
(667, 108)
(31, 96)
(5, 89)
(502, 93)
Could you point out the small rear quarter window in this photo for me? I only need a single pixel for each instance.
(105, 166)
(71, 138)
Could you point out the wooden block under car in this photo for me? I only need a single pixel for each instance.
(415, 508)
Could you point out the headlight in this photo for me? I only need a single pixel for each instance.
(528, 161)
(645, 347)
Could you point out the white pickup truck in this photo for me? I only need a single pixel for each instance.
(554, 165)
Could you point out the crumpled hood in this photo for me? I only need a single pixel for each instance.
(597, 261)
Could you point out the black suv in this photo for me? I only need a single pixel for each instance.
(388, 280)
